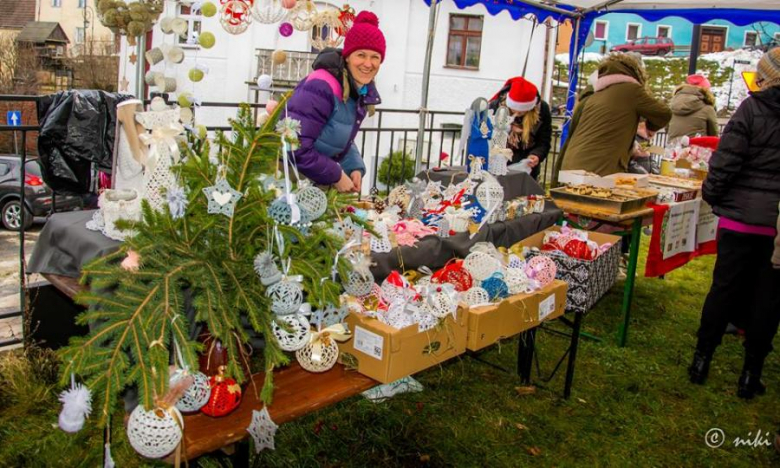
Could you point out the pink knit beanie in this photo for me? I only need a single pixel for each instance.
(365, 34)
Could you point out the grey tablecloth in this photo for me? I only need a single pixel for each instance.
(515, 184)
(65, 245)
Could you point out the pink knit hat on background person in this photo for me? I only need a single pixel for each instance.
(365, 34)
(698, 80)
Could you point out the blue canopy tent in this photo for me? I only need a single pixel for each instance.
(582, 13)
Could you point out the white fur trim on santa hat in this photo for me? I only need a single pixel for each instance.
(521, 106)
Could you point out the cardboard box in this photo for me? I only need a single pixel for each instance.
(588, 280)
(386, 354)
(639, 180)
(580, 177)
(514, 315)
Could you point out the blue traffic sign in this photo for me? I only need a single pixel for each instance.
(13, 118)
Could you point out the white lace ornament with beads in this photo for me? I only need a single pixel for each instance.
(155, 433)
(517, 281)
(328, 356)
(196, 394)
(158, 176)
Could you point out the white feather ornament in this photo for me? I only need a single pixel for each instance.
(77, 404)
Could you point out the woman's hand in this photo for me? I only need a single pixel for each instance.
(357, 180)
(345, 184)
(533, 160)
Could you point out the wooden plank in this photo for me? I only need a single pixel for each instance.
(296, 393)
(69, 286)
(594, 213)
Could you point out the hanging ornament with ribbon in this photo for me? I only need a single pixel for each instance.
(266, 269)
(291, 331)
(236, 15)
(225, 395)
(76, 406)
(222, 197)
(360, 280)
(322, 352)
(347, 20)
(155, 433)
(263, 430)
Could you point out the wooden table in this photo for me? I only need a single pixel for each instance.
(632, 221)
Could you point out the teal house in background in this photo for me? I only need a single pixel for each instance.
(716, 36)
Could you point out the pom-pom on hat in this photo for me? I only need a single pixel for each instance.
(698, 80)
(522, 95)
(365, 34)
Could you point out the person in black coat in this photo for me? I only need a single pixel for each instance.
(743, 187)
(531, 130)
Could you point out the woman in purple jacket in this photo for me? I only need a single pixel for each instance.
(333, 101)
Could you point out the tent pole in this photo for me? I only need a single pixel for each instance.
(695, 46)
(425, 82)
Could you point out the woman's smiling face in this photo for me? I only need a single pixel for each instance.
(363, 65)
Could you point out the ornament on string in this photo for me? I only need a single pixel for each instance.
(302, 15)
(278, 56)
(177, 202)
(360, 280)
(76, 406)
(108, 460)
(325, 26)
(155, 433)
(222, 198)
(496, 287)
(397, 288)
(286, 29)
(197, 72)
(264, 82)
(286, 296)
(206, 39)
(347, 20)
(329, 316)
(475, 296)
(541, 269)
(441, 299)
(269, 11)
(208, 9)
(236, 16)
(196, 395)
(289, 129)
(266, 269)
(321, 353)
(312, 200)
(293, 333)
(263, 430)
(225, 395)
(517, 281)
(481, 265)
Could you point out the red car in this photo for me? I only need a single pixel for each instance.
(647, 46)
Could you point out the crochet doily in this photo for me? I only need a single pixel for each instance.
(475, 296)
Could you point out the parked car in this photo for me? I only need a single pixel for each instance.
(37, 195)
(647, 46)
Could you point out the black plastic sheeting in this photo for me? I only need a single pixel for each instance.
(77, 130)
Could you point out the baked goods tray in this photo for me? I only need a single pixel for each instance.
(606, 205)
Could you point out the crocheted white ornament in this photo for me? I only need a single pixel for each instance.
(235, 16)
(298, 335)
(517, 281)
(115, 205)
(475, 296)
(76, 406)
(490, 194)
(381, 242)
(263, 430)
(302, 15)
(268, 11)
(328, 357)
(481, 265)
(196, 395)
(156, 433)
(358, 284)
(325, 26)
(286, 297)
(392, 292)
(425, 319)
(440, 304)
(331, 315)
(313, 200)
(499, 157)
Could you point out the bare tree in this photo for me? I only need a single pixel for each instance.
(95, 65)
(19, 66)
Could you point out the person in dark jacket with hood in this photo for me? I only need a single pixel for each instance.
(743, 187)
(332, 102)
(531, 130)
(693, 109)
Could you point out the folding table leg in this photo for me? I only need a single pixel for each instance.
(525, 355)
(628, 290)
(574, 344)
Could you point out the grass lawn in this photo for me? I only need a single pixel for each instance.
(630, 406)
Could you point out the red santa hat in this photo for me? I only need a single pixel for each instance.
(522, 95)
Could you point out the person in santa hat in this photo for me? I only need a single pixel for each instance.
(531, 131)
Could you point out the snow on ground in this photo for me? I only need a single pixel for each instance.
(739, 90)
(589, 57)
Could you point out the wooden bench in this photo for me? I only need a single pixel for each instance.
(296, 393)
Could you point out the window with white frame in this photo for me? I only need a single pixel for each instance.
(56, 3)
(80, 37)
(663, 31)
(633, 31)
(600, 30)
(751, 39)
(193, 18)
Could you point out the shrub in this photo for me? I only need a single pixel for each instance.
(396, 168)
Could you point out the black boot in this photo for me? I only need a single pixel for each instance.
(700, 367)
(749, 384)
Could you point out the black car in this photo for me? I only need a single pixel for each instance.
(37, 196)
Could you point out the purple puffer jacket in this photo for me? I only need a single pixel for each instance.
(328, 126)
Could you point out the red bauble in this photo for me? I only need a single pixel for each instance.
(454, 273)
(225, 396)
(347, 19)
